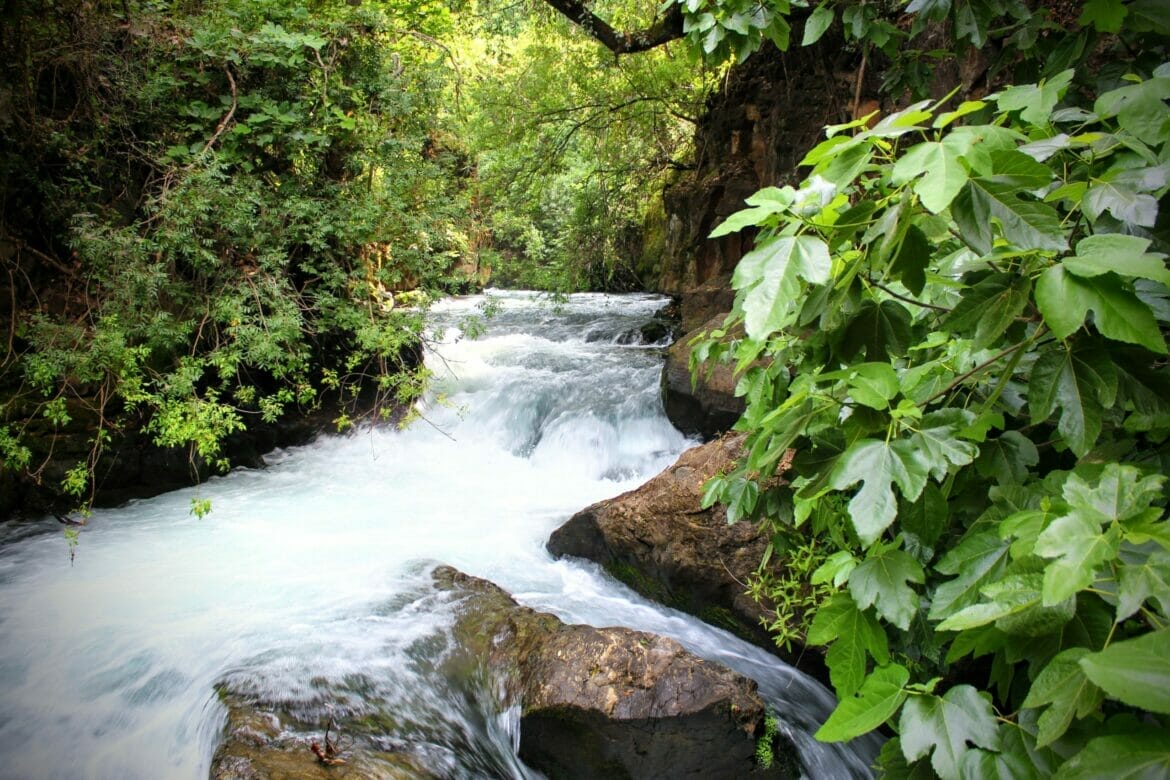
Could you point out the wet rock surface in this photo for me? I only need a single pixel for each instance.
(612, 702)
(264, 743)
(706, 406)
(659, 541)
(592, 702)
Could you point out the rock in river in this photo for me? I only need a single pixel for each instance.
(661, 542)
(594, 703)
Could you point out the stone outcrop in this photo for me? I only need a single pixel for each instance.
(659, 541)
(705, 405)
(770, 112)
(612, 702)
(594, 702)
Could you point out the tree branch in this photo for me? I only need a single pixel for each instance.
(664, 28)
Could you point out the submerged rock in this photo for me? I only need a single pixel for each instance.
(663, 544)
(264, 743)
(612, 702)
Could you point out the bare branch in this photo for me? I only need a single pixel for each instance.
(664, 28)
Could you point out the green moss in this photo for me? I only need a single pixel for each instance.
(722, 617)
(638, 580)
(766, 743)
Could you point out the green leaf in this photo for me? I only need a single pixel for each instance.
(770, 273)
(922, 523)
(1080, 382)
(1105, 15)
(1013, 761)
(965, 108)
(1139, 108)
(818, 22)
(873, 384)
(881, 581)
(883, 329)
(853, 634)
(1063, 686)
(776, 198)
(1013, 168)
(1121, 254)
(1008, 458)
(1080, 550)
(878, 465)
(1035, 101)
(943, 174)
(741, 219)
(911, 260)
(875, 702)
(1147, 578)
(943, 726)
(978, 559)
(1143, 756)
(1065, 300)
(1011, 595)
(1122, 201)
(1134, 671)
(990, 307)
(936, 443)
(1026, 224)
(1122, 494)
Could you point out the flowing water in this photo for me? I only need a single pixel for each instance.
(309, 585)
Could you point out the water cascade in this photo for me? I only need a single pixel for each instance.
(309, 585)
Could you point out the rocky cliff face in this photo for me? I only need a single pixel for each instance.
(757, 128)
(771, 110)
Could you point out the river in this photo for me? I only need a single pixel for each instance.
(308, 584)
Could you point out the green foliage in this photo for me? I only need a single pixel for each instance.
(249, 183)
(734, 29)
(569, 144)
(788, 589)
(969, 311)
(765, 743)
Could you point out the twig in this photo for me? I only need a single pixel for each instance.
(967, 375)
(923, 304)
(860, 81)
(227, 118)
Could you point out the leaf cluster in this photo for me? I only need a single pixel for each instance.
(958, 322)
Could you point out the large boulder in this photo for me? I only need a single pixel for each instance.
(661, 542)
(612, 702)
(705, 405)
(593, 702)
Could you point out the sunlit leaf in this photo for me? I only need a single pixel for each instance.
(1134, 671)
(875, 702)
(943, 727)
(771, 274)
(878, 465)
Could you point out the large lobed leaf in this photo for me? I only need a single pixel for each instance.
(771, 274)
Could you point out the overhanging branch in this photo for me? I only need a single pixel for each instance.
(665, 28)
